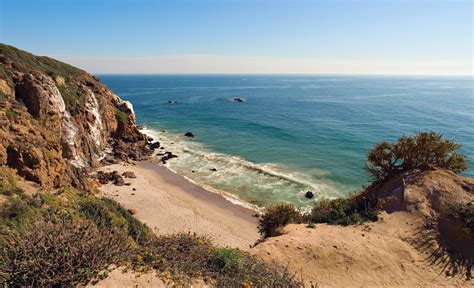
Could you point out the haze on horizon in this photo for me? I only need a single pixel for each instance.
(246, 37)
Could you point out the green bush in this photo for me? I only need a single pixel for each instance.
(228, 258)
(340, 212)
(10, 114)
(107, 213)
(276, 217)
(421, 151)
(194, 256)
(8, 186)
(121, 117)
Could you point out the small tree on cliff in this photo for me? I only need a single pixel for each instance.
(423, 150)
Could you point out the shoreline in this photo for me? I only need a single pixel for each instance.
(219, 198)
(169, 203)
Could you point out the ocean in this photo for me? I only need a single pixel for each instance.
(267, 139)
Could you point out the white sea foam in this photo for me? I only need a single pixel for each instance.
(237, 179)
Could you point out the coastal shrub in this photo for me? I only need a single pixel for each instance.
(421, 151)
(340, 211)
(228, 258)
(8, 185)
(71, 96)
(107, 213)
(276, 217)
(10, 114)
(189, 255)
(69, 238)
(58, 254)
(121, 117)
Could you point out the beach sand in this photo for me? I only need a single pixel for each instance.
(169, 203)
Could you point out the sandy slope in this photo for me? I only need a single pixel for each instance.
(377, 254)
(398, 250)
(168, 203)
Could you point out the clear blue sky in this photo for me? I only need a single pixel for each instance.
(431, 33)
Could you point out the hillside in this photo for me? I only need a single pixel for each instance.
(408, 246)
(57, 121)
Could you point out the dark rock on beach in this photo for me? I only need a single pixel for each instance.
(129, 174)
(189, 134)
(213, 169)
(106, 177)
(309, 194)
(155, 145)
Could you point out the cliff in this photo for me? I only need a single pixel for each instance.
(57, 121)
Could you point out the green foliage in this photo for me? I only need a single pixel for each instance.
(340, 212)
(276, 217)
(10, 114)
(228, 258)
(121, 117)
(71, 96)
(421, 151)
(462, 215)
(108, 214)
(8, 186)
(194, 256)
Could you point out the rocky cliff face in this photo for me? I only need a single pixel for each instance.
(58, 121)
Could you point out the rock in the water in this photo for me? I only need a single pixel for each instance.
(236, 100)
(189, 134)
(167, 156)
(213, 169)
(129, 174)
(172, 102)
(309, 194)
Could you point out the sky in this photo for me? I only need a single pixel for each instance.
(244, 37)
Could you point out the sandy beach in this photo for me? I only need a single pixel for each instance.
(168, 203)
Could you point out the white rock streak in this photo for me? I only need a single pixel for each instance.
(96, 126)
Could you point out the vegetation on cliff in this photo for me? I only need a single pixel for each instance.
(421, 151)
(69, 238)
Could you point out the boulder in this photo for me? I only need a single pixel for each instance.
(155, 145)
(129, 174)
(309, 194)
(189, 134)
(167, 156)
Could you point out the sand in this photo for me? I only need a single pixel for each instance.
(370, 255)
(168, 203)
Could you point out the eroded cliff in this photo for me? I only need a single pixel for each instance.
(57, 121)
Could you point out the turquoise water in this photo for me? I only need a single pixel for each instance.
(292, 133)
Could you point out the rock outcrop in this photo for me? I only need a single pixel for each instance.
(58, 121)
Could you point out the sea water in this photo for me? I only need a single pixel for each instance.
(268, 139)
